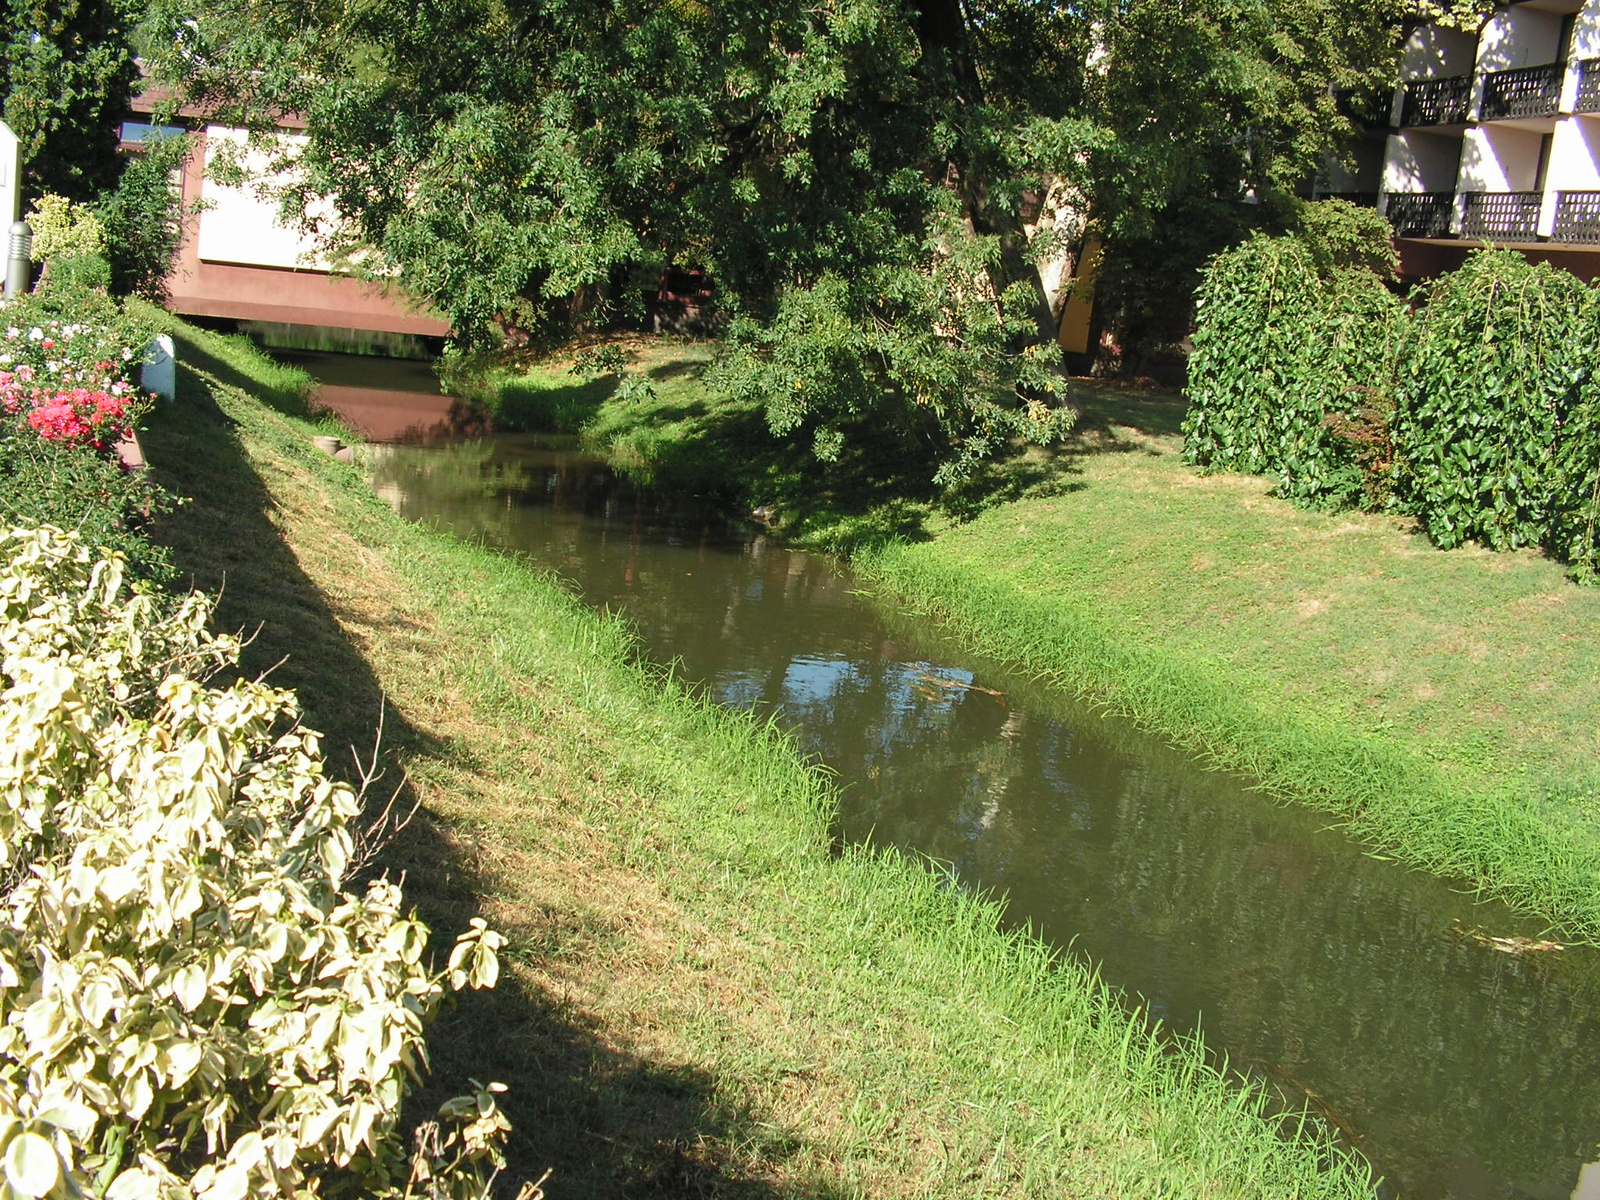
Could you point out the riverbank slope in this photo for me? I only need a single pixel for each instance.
(1441, 703)
(700, 998)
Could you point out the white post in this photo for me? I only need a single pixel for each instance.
(10, 177)
(160, 373)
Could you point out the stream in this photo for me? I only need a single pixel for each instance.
(1335, 974)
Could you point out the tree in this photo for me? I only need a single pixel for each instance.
(70, 71)
(143, 218)
(856, 175)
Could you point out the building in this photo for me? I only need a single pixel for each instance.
(1492, 137)
(241, 262)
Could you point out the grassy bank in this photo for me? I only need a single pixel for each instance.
(1442, 703)
(701, 1000)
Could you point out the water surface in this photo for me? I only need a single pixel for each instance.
(1460, 1071)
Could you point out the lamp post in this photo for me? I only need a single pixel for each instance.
(18, 265)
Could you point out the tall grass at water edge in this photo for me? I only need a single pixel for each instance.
(1536, 858)
(874, 1027)
(1012, 1027)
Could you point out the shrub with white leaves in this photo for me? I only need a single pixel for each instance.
(192, 1004)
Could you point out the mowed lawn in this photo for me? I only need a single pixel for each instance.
(1486, 662)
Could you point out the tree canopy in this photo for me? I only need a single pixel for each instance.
(872, 184)
(70, 71)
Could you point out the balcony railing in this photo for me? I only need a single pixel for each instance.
(1420, 214)
(1525, 92)
(1367, 109)
(1577, 218)
(1496, 216)
(1589, 85)
(1437, 101)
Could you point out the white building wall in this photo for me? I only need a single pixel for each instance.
(1575, 157)
(1418, 161)
(1519, 37)
(1501, 156)
(1432, 52)
(1496, 158)
(1585, 44)
(1586, 31)
(241, 226)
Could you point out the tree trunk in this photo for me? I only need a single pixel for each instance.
(942, 30)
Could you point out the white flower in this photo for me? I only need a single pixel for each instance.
(35, 334)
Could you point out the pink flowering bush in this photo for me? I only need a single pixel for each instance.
(66, 401)
(65, 380)
(97, 412)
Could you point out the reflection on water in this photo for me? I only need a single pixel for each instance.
(1462, 1072)
(386, 399)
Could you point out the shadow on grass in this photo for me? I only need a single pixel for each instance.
(675, 370)
(1026, 472)
(1104, 406)
(1106, 412)
(222, 541)
(610, 1123)
(292, 400)
(606, 1122)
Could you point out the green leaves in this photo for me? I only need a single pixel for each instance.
(1291, 372)
(184, 961)
(70, 72)
(1496, 398)
(1479, 412)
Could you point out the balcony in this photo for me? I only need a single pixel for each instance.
(1501, 216)
(1420, 214)
(1525, 92)
(1577, 218)
(1589, 85)
(1367, 110)
(1437, 101)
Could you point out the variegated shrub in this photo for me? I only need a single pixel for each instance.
(192, 1004)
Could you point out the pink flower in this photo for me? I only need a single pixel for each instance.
(80, 415)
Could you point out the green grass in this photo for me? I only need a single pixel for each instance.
(701, 998)
(1441, 703)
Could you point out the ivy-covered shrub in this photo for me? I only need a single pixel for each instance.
(194, 1002)
(1495, 427)
(1575, 484)
(1291, 370)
